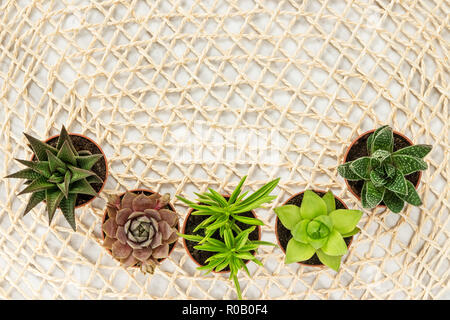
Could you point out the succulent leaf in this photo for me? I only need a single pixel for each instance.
(383, 140)
(346, 172)
(40, 148)
(408, 164)
(56, 178)
(54, 162)
(317, 230)
(329, 201)
(248, 220)
(94, 179)
(297, 251)
(79, 174)
(393, 202)
(326, 220)
(237, 191)
(361, 167)
(82, 187)
(412, 197)
(378, 178)
(332, 262)
(389, 169)
(380, 155)
(53, 198)
(35, 199)
(299, 232)
(37, 185)
(364, 202)
(289, 215)
(374, 194)
(87, 162)
(65, 137)
(261, 192)
(312, 205)
(64, 186)
(335, 246)
(370, 139)
(416, 151)
(41, 167)
(397, 184)
(84, 153)
(317, 243)
(345, 220)
(351, 233)
(66, 154)
(28, 173)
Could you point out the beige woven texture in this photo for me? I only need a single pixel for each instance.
(183, 95)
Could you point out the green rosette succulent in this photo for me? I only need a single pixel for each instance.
(57, 175)
(384, 171)
(317, 227)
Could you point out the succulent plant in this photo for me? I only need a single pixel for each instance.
(230, 253)
(224, 213)
(139, 229)
(317, 227)
(223, 216)
(384, 171)
(57, 175)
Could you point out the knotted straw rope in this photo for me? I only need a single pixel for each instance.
(185, 95)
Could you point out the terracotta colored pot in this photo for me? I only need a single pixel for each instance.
(104, 157)
(189, 253)
(356, 140)
(277, 221)
(137, 191)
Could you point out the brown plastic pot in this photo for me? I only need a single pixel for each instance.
(189, 253)
(104, 158)
(105, 214)
(363, 136)
(277, 221)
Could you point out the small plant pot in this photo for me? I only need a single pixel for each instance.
(284, 235)
(147, 193)
(358, 149)
(81, 142)
(198, 256)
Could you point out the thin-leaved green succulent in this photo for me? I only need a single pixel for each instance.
(317, 227)
(234, 245)
(384, 171)
(57, 175)
(231, 252)
(224, 213)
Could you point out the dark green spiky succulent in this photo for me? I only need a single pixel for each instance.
(384, 171)
(58, 175)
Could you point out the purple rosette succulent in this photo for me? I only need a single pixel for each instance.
(139, 229)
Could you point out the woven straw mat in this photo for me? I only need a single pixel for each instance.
(183, 95)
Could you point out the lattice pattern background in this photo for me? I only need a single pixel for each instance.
(188, 94)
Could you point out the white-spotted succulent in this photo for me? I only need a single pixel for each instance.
(384, 171)
(317, 227)
(58, 175)
(139, 229)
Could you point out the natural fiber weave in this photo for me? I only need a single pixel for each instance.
(188, 94)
